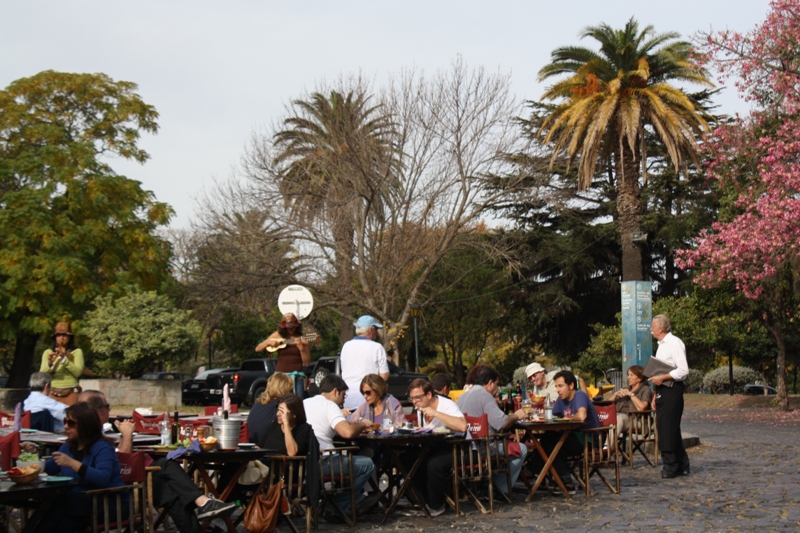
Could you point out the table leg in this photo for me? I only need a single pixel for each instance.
(548, 466)
(204, 475)
(34, 521)
(407, 476)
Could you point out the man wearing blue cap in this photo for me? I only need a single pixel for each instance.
(361, 356)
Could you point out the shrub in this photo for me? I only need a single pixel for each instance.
(717, 379)
(694, 381)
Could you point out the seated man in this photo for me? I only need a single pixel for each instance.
(39, 400)
(540, 382)
(173, 489)
(433, 478)
(480, 400)
(441, 384)
(324, 414)
(575, 405)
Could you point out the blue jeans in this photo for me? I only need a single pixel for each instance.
(515, 466)
(362, 469)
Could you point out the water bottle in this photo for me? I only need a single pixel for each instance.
(548, 409)
(388, 426)
(164, 429)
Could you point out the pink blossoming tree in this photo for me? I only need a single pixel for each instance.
(756, 162)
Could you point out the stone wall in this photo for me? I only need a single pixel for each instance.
(137, 392)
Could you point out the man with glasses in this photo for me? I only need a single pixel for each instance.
(361, 356)
(173, 489)
(433, 477)
(324, 414)
(39, 400)
(541, 383)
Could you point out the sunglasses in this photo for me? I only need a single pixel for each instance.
(70, 423)
(367, 392)
(61, 335)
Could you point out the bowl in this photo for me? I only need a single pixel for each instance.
(24, 479)
(208, 446)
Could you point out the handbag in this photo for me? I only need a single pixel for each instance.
(261, 514)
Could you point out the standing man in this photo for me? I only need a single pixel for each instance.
(40, 400)
(480, 400)
(433, 477)
(542, 383)
(361, 356)
(324, 415)
(668, 400)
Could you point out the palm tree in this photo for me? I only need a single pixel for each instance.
(336, 161)
(610, 100)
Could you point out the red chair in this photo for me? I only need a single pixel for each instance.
(411, 417)
(244, 433)
(147, 425)
(471, 466)
(600, 450)
(7, 420)
(9, 447)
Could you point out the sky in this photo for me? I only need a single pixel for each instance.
(219, 71)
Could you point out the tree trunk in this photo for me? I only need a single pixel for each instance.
(343, 239)
(23, 360)
(780, 343)
(629, 211)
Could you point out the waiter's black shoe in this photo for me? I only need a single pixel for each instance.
(684, 472)
(668, 475)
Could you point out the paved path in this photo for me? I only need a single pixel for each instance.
(745, 477)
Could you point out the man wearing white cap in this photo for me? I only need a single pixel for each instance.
(361, 356)
(542, 383)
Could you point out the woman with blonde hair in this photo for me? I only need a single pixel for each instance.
(263, 417)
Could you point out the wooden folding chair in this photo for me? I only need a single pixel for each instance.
(292, 470)
(642, 431)
(336, 478)
(600, 450)
(472, 465)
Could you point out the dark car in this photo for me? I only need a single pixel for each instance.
(758, 390)
(196, 391)
(176, 376)
(399, 379)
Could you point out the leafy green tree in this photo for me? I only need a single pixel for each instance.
(138, 332)
(607, 102)
(72, 228)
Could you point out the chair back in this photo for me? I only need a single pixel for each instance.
(9, 448)
(7, 420)
(607, 414)
(336, 477)
(132, 466)
(411, 417)
(147, 425)
(43, 421)
(478, 426)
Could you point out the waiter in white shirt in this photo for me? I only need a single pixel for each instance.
(668, 401)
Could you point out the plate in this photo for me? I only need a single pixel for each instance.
(405, 431)
(57, 479)
(165, 447)
(246, 445)
(27, 430)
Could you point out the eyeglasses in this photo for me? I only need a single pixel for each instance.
(61, 335)
(105, 406)
(70, 423)
(416, 398)
(367, 393)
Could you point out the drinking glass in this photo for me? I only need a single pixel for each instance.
(527, 406)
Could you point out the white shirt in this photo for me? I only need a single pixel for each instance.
(448, 407)
(37, 401)
(360, 356)
(549, 388)
(323, 416)
(672, 351)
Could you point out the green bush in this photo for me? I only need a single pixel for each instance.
(718, 380)
(694, 381)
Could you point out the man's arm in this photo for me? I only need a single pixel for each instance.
(348, 430)
(126, 437)
(580, 415)
(512, 419)
(453, 422)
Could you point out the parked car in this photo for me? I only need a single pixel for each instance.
(196, 391)
(245, 384)
(758, 390)
(178, 376)
(399, 379)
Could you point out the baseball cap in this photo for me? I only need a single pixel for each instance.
(533, 368)
(367, 321)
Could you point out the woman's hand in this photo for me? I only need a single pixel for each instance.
(63, 459)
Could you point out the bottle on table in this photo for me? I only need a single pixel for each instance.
(548, 409)
(164, 429)
(176, 429)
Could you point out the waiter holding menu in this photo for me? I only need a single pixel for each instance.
(668, 400)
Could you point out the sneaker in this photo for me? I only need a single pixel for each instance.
(436, 512)
(369, 502)
(556, 491)
(411, 512)
(214, 508)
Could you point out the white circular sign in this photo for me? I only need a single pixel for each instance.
(296, 299)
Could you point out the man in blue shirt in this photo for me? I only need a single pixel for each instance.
(575, 405)
(40, 401)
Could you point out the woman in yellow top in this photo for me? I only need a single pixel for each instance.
(64, 362)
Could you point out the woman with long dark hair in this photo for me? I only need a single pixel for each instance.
(86, 457)
(294, 352)
(64, 362)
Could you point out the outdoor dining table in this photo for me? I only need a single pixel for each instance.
(57, 439)
(215, 460)
(535, 428)
(40, 494)
(420, 445)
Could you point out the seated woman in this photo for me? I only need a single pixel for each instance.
(378, 405)
(293, 437)
(263, 417)
(634, 398)
(87, 457)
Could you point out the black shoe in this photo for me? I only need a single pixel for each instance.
(555, 490)
(369, 502)
(214, 508)
(668, 475)
(684, 472)
(333, 518)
